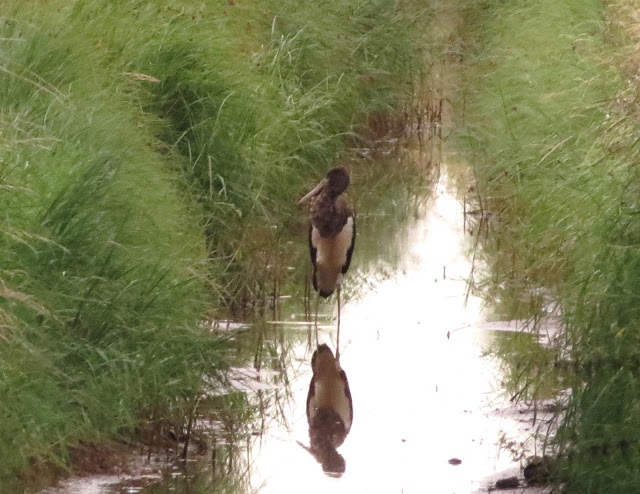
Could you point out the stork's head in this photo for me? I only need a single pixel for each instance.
(334, 184)
(337, 180)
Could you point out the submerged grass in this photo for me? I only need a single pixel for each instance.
(551, 125)
(150, 155)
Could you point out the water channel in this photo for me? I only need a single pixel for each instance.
(430, 411)
(430, 414)
(428, 408)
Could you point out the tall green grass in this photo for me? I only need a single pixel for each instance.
(103, 262)
(552, 137)
(151, 155)
(541, 98)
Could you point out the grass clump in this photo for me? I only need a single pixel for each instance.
(540, 102)
(102, 261)
(552, 134)
(149, 157)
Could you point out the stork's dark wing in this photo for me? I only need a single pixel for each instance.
(312, 249)
(313, 253)
(310, 395)
(351, 247)
(347, 392)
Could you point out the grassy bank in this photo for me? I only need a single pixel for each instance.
(150, 158)
(551, 128)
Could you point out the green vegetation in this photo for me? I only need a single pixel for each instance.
(551, 127)
(151, 155)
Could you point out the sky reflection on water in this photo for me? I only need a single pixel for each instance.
(422, 392)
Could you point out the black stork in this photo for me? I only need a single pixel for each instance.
(332, 236)
(329, 410)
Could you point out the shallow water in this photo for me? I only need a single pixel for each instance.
(422, 392)
(429, 411)
(430, 414)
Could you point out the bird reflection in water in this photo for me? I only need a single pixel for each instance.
(332, 237)
(329, 410)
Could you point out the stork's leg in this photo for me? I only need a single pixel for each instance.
(338, 336)
(315, 326)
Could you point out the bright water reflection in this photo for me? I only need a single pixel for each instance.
(429, 413)
(422, 393)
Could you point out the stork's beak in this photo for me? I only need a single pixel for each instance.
(314, 191)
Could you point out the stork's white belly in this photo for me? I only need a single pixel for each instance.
(331, 253)
(331, 394)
